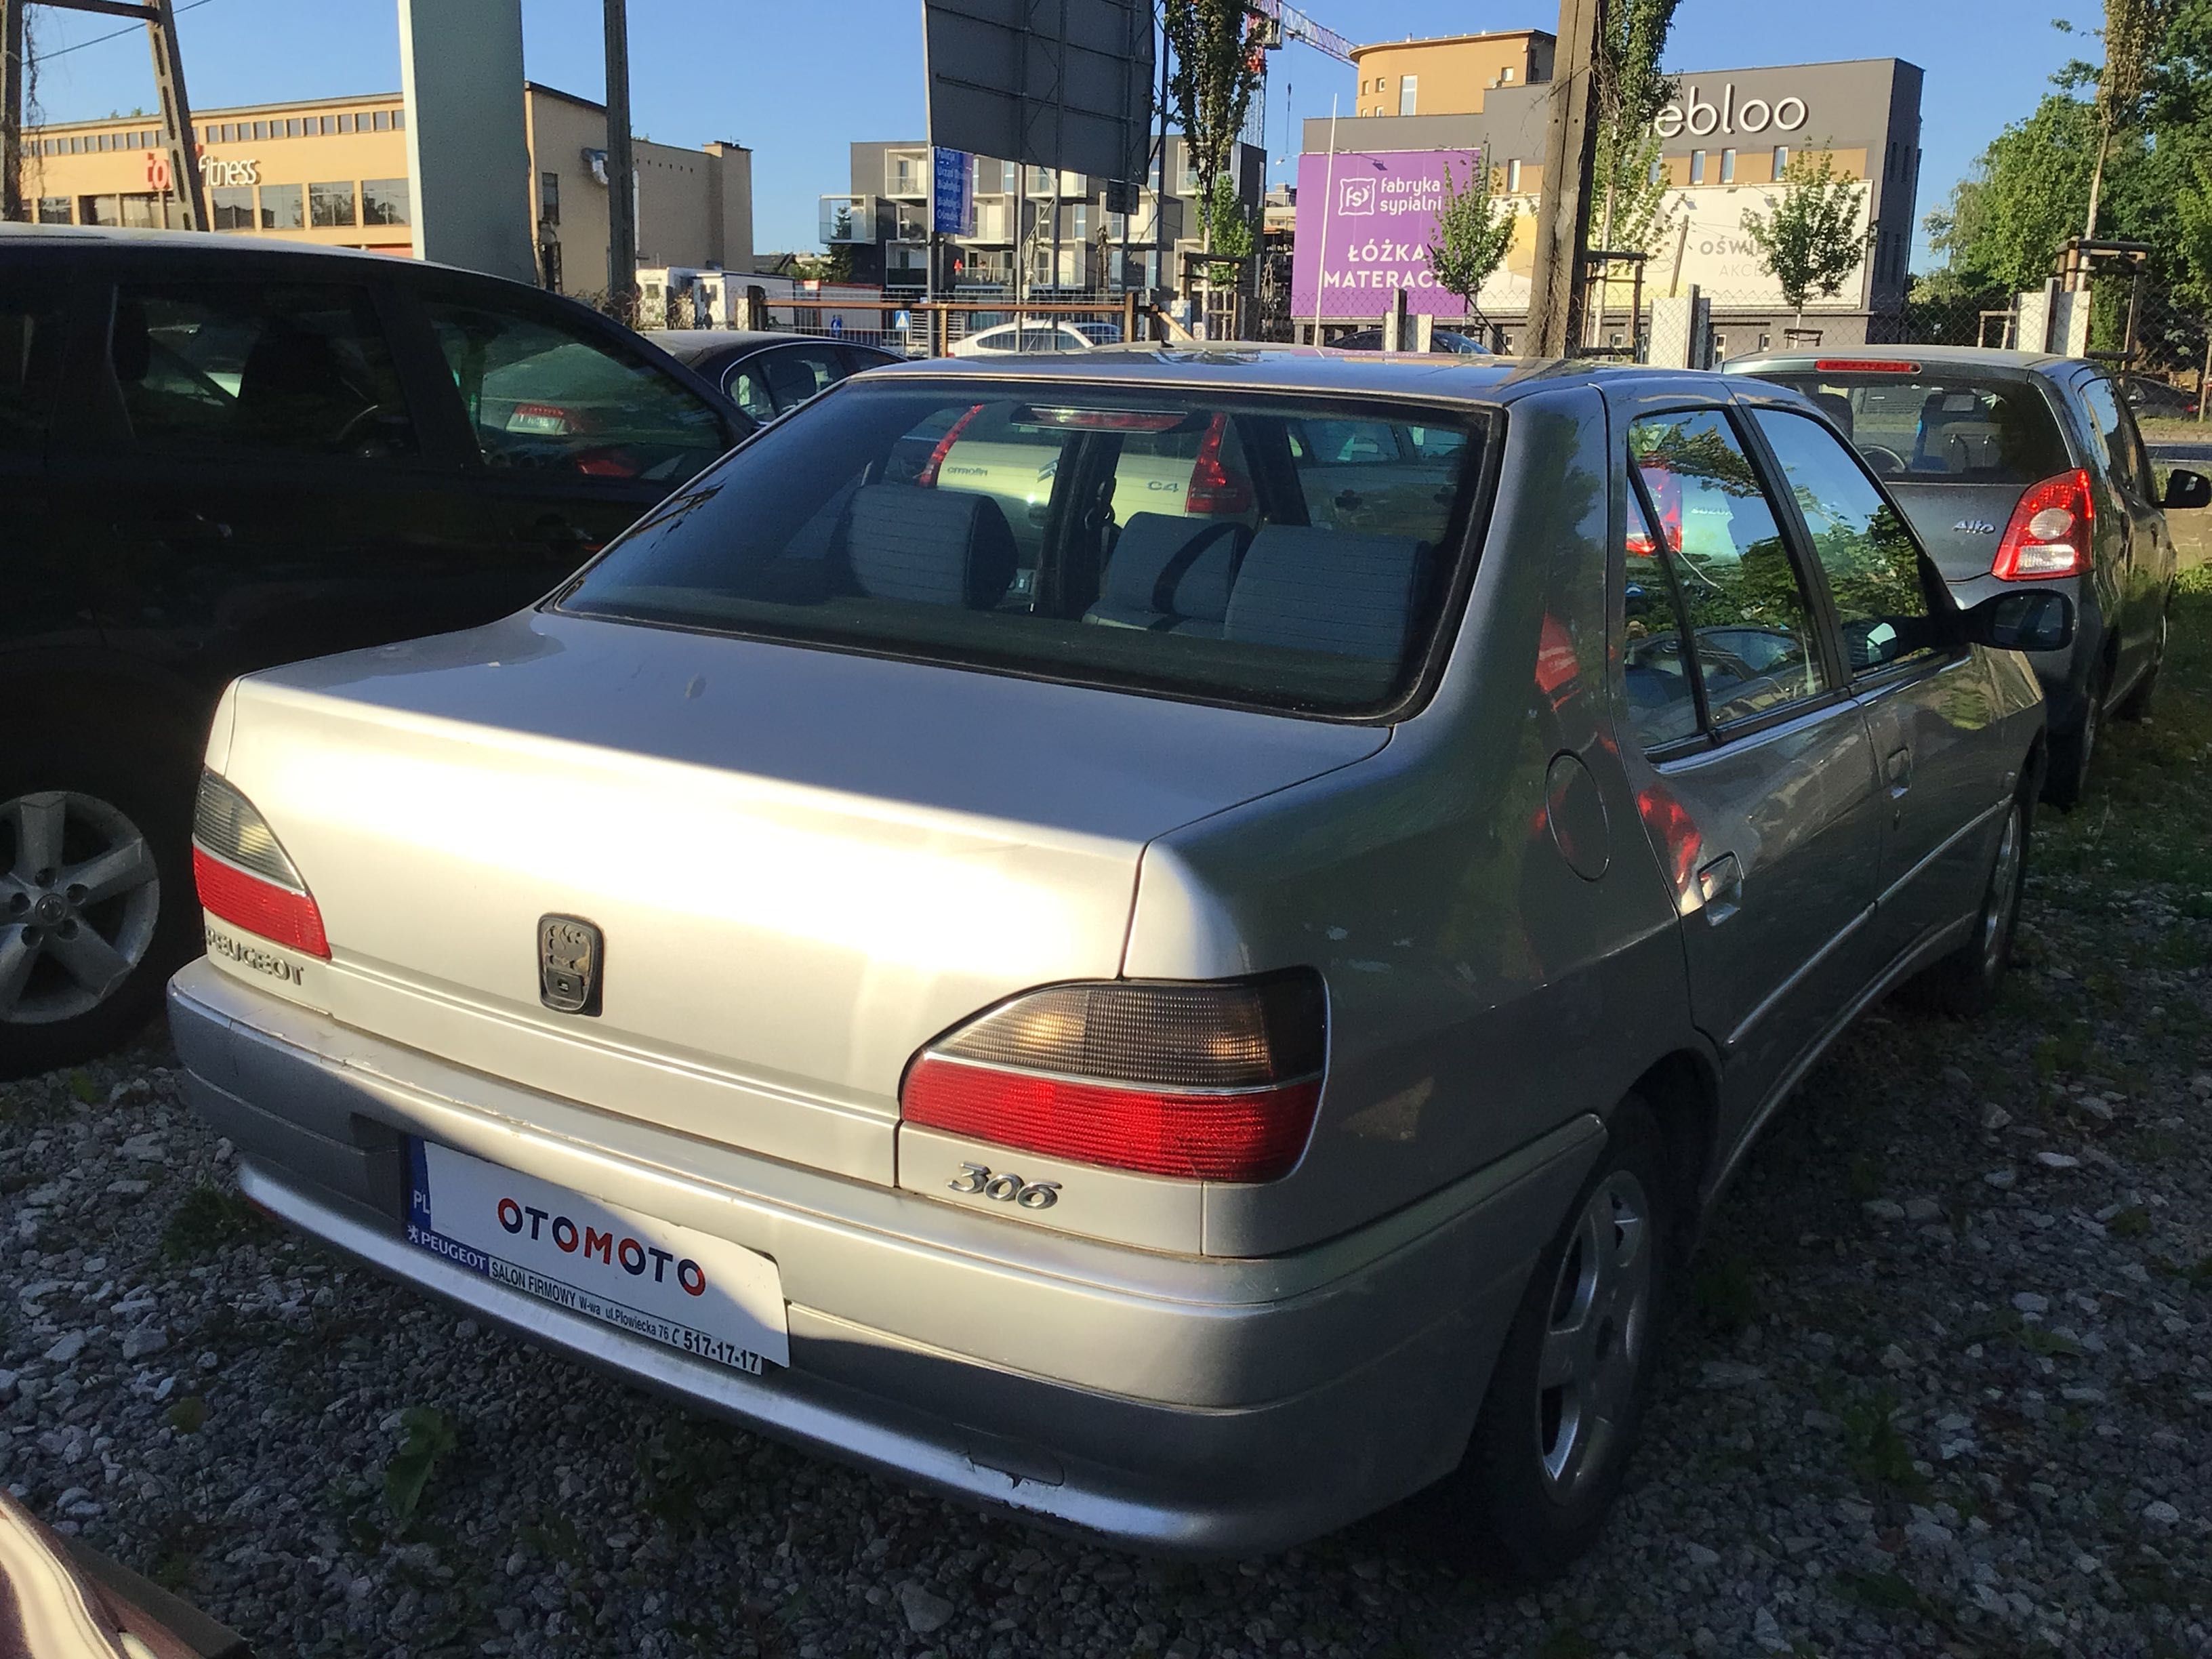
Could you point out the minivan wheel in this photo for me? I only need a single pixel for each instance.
(96, 906)
(2071, 752)
(2137, 704)
(1566, 1400)
(1964, 984)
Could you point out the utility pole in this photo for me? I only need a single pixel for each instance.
(160, 18)
(1561, 273)
(621, 202)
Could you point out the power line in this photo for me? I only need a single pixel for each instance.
(116, 34)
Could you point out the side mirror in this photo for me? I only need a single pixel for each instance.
(2187, 488)
(2034, 619)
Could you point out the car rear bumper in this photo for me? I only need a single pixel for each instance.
(1192, 1404)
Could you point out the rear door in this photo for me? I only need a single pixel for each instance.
(1762, 802)
(46, 606)
(576, 426)
(1926, 700)
(2131, 529)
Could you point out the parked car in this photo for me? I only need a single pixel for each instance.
(2020, 469)
(217, 455)
(1035, 334)
(2158, 400)
(61, 1599)
(1198, 1046)
(1442, 339)
(764, 374)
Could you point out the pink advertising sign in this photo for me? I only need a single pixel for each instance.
(1365, 220)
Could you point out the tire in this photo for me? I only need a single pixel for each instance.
(2071, 752)
(2137, 704)
(1964, 984)
(83, 961)
(1543, 1464)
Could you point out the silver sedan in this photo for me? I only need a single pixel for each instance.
(1175, 942)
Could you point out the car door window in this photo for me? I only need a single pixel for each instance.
(1663, 703)
(1752, 635)
(794, 373)
(748, 389)
(2114, 435)
(31, 329)
(298, 369)
(542, 394)
(1868, 555)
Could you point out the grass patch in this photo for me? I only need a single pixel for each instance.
(426, 1434)
(1875, 1448)
(208, 1219)
(1724, 1294)
(188, 1415)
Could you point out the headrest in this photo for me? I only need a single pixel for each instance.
(1310, 589)
(930, 546)
(1837, 407)
(1176, 567)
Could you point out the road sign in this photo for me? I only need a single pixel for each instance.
(1049, 83)
(837, 326)
(952, 196)
(902, 320)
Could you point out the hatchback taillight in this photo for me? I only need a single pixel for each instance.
(1209, 1081)
(244, 875)
(1213, 488)
(2051, 531)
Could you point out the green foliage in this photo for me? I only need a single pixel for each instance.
(1211, 84)
(1472, 232)
(1632, 35)
(426, 1434)
(2026, 194)
(1875, 1448)
(188, 1415)
(208, 1219)
(1813, 240)
(1229, 231)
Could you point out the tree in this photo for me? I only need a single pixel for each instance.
(1211, 84)
(1630, 92)
(1231, 235)
(1473, 230)
(2006, 220)
(1812, 240)
(2134, 32)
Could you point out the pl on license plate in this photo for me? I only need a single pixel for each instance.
(651, 1278)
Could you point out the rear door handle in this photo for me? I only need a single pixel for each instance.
(1900, 773)
(1720, 889)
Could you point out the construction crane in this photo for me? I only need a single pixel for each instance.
(1279, 23)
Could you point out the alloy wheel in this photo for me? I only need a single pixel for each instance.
(2004, 891)
(1599, 1324)
(80, 896)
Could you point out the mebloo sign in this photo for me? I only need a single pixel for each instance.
(1365, 223)
(1701, 116)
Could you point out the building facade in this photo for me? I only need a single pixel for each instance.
(335, 170)
(884, 222)
(1369, 186)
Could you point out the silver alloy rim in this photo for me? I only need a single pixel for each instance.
(1598, 1324)
(79, 899)
(2004, 880)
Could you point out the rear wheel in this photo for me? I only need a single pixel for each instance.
(96, 903)
(2138, 701)
(1566, 1400)
(1964, 984)
(2071, 753)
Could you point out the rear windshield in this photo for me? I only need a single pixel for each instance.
(1937, 427)
(1290, 554)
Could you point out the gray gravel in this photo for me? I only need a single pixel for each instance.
(1942, 1387)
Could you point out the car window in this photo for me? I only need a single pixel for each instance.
(247, 366)
(796, 373)
(1865, 549)
(748, 389)
(1932, 424)
(31, 330)
(1752, 635)
(543, 395)
(1146, 535)
(1662, 703)
(2113, 432)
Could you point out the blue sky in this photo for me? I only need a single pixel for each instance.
(798, 79)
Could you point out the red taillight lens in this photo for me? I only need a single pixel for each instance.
(1207, 1081)
(927, 477)
(1213, 487)
(277, 914)
(1862, 366)
(245, 876)
(2051, 531)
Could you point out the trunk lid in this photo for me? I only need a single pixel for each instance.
(1960, 524)
(804, 864)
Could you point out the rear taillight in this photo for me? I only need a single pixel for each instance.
(244, 875)
(2051, 531)
(1213, 487)
(927, 477)
(1209, 1081)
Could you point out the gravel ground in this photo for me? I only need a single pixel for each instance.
(1942, 1384)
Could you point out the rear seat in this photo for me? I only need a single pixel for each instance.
(1170, 574)
(1305, 589)
(930, 546)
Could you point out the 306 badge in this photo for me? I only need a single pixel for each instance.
(1005, 1187)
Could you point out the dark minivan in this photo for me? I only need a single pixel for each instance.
(217, 457)
(2020, 468)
